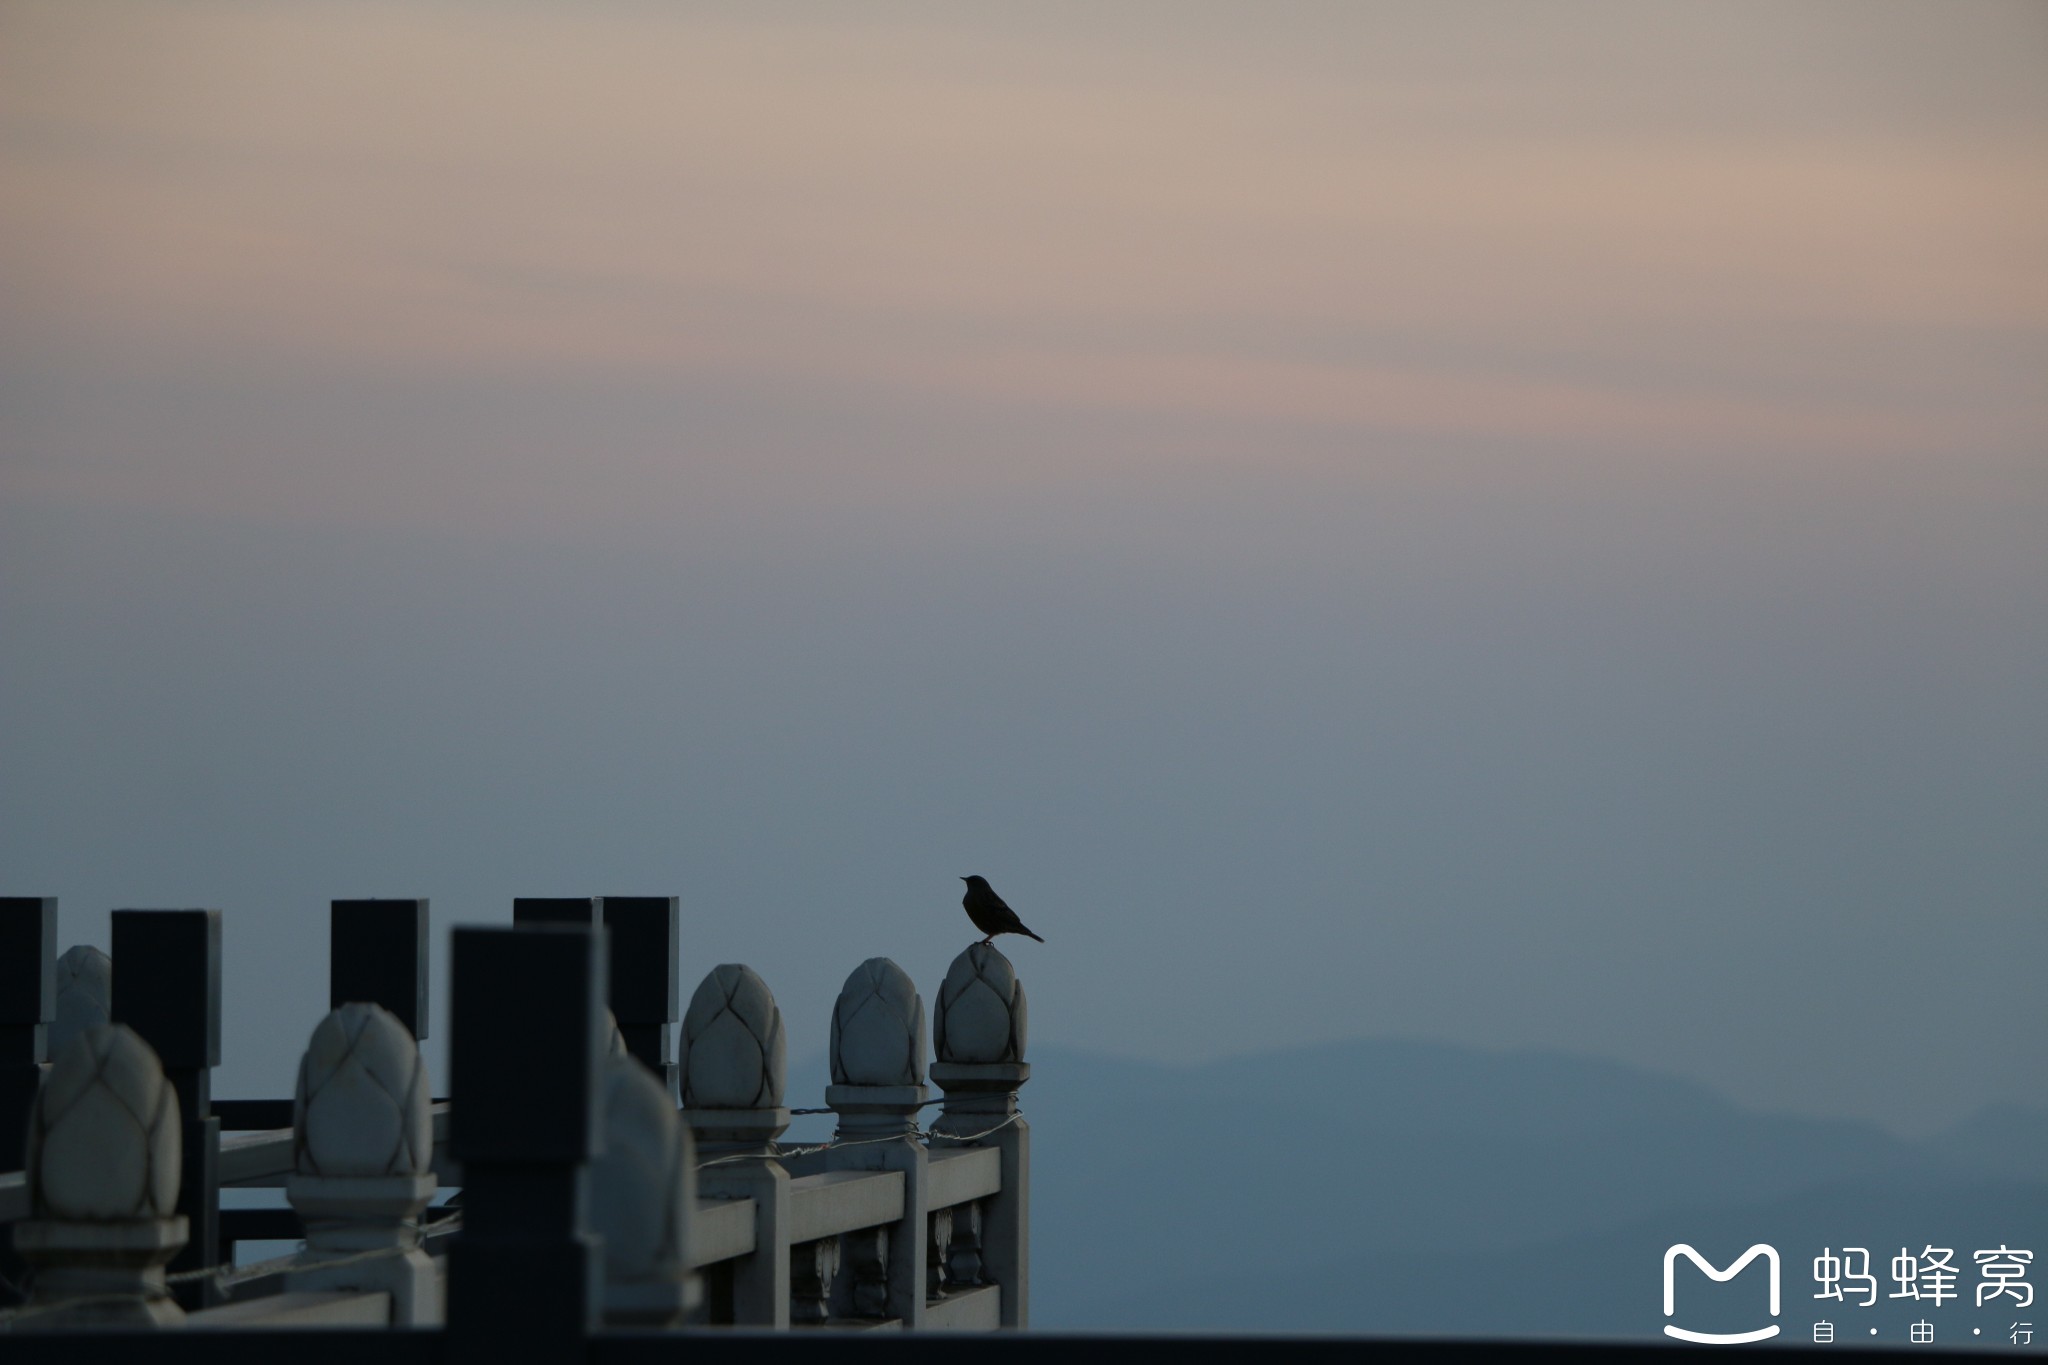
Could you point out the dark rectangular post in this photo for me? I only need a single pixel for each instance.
(646, 996)
(167, 988)
(527, 1058)
(28, 1002)
(377, 952)
(555, 910)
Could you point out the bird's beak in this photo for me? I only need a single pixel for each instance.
(963, 879)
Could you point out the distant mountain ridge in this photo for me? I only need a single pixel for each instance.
(1353, 1186)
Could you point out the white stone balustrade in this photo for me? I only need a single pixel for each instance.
(980, 1035)
(885, 1226)
(104, 1150)
(363, 1149)
(85, 994)
(734, 1064)
(878, 1050)
(643, 1192)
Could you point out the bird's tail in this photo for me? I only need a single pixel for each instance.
(1028, 934)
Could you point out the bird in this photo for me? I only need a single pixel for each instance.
(989, 913)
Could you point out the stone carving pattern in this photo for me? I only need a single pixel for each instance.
(981, 1012)
(812, 1268)
(734, 1051)
(104, 1143)
(878, 1032)
(963, 1249)
(363, 1105)
(938, 1238)
(867, 1256)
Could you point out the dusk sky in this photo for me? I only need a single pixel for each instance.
(1521, 524)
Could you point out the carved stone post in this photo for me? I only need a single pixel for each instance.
(28, 1002)
(733, 1068)
(168, 990)
(527, 1040)
(85, 994)
(878, 1043)
(103, 1169)
(980, 1044)
(643, 1195)
(363, 1143)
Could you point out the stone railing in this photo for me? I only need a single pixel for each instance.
(610, 1170)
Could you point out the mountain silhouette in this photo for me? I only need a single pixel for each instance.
(1360, 1186)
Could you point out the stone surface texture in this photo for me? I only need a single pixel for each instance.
(734, 1052)
(980, 1015)
(878, 1034)
(363, 1106)
(104, 1140)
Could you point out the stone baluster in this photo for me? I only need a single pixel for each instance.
(167, 989)
(962, 1268)
(643, 1195)
(28, 1002)
(85, 994)
(103, 1172)
(733, 1068)
(528, 1067)
(813, 1274)
(864, 1292)
(878, 1049)
(363, 1148)
(938, 1252)
(980, 1034)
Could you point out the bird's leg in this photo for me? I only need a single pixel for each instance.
(989, 942)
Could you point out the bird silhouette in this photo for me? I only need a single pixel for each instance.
(989, 913)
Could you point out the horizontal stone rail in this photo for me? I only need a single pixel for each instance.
(964, 1174)
(298, 1309)
(256, 1160)
(834, 1202)
(971, 1310)
(263, 1159)
(722, 1231)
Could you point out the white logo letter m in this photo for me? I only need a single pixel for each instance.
(1671, 1255)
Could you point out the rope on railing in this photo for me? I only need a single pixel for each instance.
(815, 1148)
(226, 1276)
(829, 1110)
